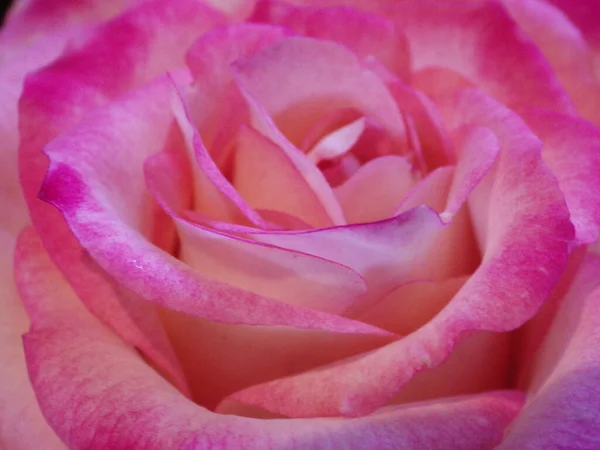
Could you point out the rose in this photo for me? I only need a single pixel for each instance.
(254, 321)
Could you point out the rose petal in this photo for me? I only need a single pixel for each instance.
(433, 148)
(566, 49)
(213, 193)
(572, 152)
(477, 151)
(485, 46)
(338, 142)
(290, 276)
(120, 55)
(266, 178)
(22, 426)
(220, 359)
(215, 105)
(97, 393)
(583, 14)
(410, 306)
(375, 190)
(562, 405)
(367, 35)
(319, 76)
(525, 251)
(386, 254)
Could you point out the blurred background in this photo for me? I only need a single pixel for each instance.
(3, 8)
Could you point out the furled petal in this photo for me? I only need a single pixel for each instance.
(213, 193)
(216, 107)
(266, 178)
(22, 426)
(434, 145)
(95, 179)
(525, 250)
(566, 49)
(98, 393)
(289, 276)
(120, 55)
(477, 151)
(572, 152)
(562, 405)
(374, 192)
(320, 76)
(367, 35)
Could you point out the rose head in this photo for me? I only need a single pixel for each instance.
(301, 225)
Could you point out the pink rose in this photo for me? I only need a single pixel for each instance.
(321, 224)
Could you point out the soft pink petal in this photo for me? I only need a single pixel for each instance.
(98, 393)
(412, 305)
(320, 76)
(96, 200)
(261, 121)
(213, 193)
(220, 359)
(367, 35)
(566, 49)
(525, 251)
(481, 42)
(583, 14)
(216, 107)
(454, 250)
(563, 402)
(238, 10)
(431, 191)
(572, 152)
(434, 147)
(386, 254)
(266, 178)
(121, 54)
(338, 142)
(22, 426)
(375, 190)
(477, 151)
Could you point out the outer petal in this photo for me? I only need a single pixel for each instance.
(583, 14)
(22, 426)
(572, 152)
(118, 56)
(566, 49)
(367, 35)
(480, 42)
(97, 393)
(563, 402)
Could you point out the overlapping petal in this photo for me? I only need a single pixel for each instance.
(97, 392)
(565, 47)
(525, 251)
(572, 152)
(120, 55)
(367, 35)
(562, 404)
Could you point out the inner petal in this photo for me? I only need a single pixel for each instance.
(374, 192)
(298, 80)
(338, 142)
